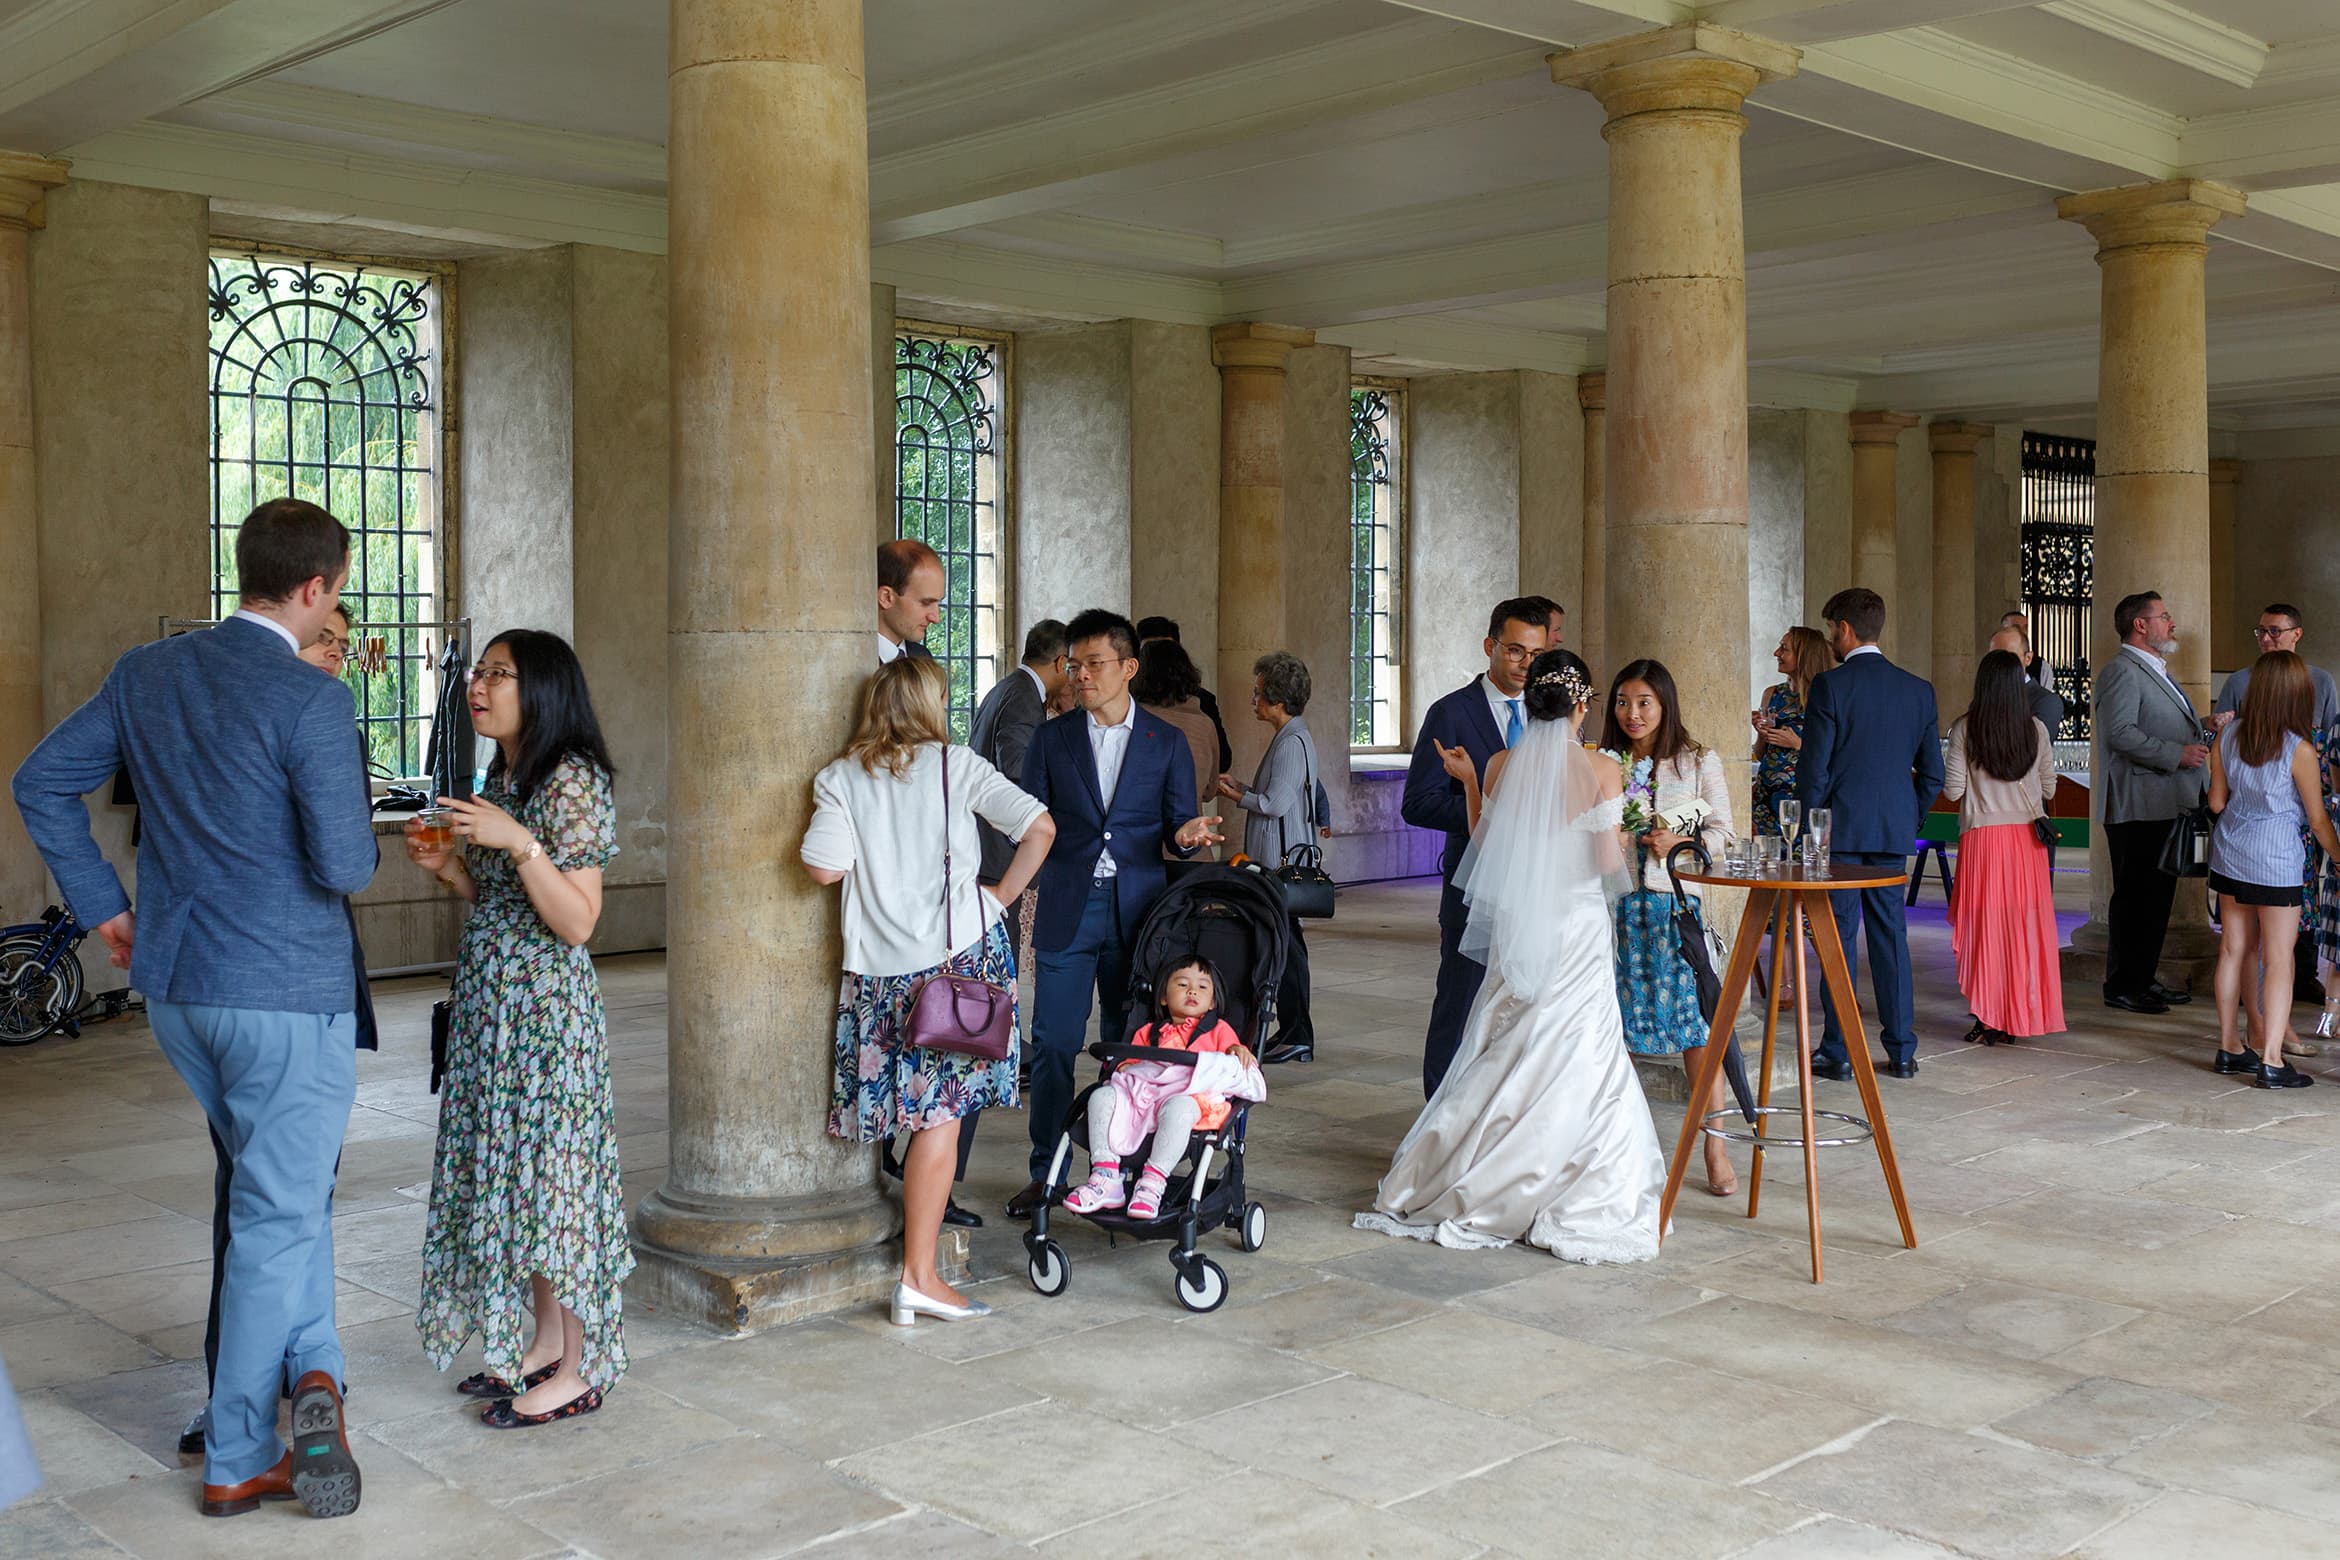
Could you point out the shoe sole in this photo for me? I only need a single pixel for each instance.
(324, 1474)
(236, 1508)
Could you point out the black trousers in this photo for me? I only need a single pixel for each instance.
(1459, 978)
(1294, 1026)
(2137, 919)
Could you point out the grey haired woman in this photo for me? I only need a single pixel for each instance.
(1281, 803)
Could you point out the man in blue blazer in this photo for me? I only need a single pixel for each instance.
(1482, 718)
(255, 828)
(1873, 757)
(1120, 784)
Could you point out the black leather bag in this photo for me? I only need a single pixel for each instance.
(1300, 876)
(2186, 853)
(439, 1013)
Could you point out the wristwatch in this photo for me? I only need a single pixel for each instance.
(524, 858)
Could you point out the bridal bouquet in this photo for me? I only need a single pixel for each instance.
(1641, 811)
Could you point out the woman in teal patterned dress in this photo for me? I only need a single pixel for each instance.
(525, 1206)
(1779, 726)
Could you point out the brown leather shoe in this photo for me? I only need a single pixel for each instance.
(233, 1500)
(324, 1474)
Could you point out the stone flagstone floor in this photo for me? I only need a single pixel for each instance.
(2119, 1336)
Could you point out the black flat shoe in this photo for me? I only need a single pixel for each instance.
(963, 1218)
(1836, 1072)
(502, 1415)
(2284, 1077)
(484, 1385)
(2142, 1002)
(1901, 1069)
(2170, 995)
(1980, 1031)
(1279, 1054)
(2245, 1060)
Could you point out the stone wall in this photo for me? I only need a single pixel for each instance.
(1462, 527)
(1174, 487)
(1827, 510)
(1909, 615)
(2287, 547)
(1775, 550)
(515, 355)
(1071, 449)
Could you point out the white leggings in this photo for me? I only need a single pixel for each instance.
(1173, 1125)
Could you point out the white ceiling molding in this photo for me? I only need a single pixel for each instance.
(2172, 32)
(335, 186)
(1114, 240)
(1412, 226)
(1427, 341)
(2304, 61)
(1792, 388)
(1824, 21)
(1057, 159)
(2282, 144)
(961, 273)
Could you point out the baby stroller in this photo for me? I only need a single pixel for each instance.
(1236, 919)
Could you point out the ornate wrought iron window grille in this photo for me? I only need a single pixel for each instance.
(325, 386)
(1377, 416)
(2059, 565)
(950, 427)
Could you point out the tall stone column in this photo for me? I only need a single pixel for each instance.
(2231, 620)
(764, 1216)
(2153, 457)
(1592, 625)
(1956, 647)
(1676, 455)
(1876, 518)
(1252, 545)
(24, 180)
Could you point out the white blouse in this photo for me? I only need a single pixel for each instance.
(1692, 775)
(886, 836)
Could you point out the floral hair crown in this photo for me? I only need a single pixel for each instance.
(1569, 681)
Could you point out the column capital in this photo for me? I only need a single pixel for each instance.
(2225, 473)
(2174, 212)
(1880, 427)
(1689, 66)
(1956, 438)
(1592, 391)
(1247, 344)
(24, 179)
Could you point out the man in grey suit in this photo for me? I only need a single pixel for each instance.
(254, 829)
(2046, 704)
(2154, 752)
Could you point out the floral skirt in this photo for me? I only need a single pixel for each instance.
(1655, 992)
(886, 1085)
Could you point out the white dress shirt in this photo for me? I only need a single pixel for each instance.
(1500, 705)
(888, 650)
(273, 626)
(1862, 650)
(2160, 669)
(1109, 745)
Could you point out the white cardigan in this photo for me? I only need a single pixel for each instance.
(1692, 775)
(886, 836)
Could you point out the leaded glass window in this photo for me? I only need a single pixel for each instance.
(1376, 488)
(325, 387)
(949, 386)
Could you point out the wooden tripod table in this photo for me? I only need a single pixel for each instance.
(1786, 900)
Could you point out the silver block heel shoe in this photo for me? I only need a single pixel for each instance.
(909, 1305)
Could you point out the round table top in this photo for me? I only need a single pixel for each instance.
(1835, 875)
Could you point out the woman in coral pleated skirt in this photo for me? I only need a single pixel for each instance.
(2001, 771)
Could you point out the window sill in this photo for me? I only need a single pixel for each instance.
(1379, 766)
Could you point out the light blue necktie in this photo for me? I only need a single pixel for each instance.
(1511, 732)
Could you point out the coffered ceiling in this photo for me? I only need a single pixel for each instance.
(1402, 176)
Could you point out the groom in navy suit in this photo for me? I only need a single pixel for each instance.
(1873, 758)
(1120, 784)
(1482, 718)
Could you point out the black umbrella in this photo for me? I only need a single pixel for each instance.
(453, 742)
(1690, 941)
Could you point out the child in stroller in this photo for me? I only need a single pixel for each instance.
(1166, 1099)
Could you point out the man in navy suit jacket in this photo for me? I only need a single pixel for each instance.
(255, 828)
(1873, 757)
(1517, 631)
(1120, 784)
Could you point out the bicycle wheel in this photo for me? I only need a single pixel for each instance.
(34, 1000)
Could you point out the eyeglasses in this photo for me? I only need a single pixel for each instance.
(329, 640)
(1095, 664)
(2264, 632)
(494, 674)
(1515, 653)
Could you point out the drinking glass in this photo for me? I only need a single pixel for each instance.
(1735, 857)
(1817, 829)
(438, 828)
(1791, 816)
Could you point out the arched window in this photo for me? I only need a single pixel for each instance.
(324, 386)
(948, 437)
(1376, 583)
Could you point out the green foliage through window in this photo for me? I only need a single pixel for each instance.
(1376, 422)
(946, 494)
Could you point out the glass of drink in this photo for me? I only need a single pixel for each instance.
(1791, 818)
(1816, 829)
(438, 829)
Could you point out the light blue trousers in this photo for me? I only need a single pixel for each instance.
(278, 1088)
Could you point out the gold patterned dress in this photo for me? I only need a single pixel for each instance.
(526, 1177)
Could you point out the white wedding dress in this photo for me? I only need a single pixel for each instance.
(1540, 1131)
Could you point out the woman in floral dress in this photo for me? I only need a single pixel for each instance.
(525, 1206)
(1779, 726)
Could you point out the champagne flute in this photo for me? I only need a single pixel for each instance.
(1791, 817)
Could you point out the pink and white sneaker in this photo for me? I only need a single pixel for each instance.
(1101, 1191)
(1147, 1202)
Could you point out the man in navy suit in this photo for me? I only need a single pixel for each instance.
(1120, 784)
(255, 829)
(1873, 758)
(1482, 718)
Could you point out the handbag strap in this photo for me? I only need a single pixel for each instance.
(1307, 800)
(949, 942)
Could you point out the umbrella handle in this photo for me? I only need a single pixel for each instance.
(1673, 873)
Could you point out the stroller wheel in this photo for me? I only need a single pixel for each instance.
(1048, 1270)
(1207, 1290)
(1251, 1234)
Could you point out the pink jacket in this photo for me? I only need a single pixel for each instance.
(1144, 1086)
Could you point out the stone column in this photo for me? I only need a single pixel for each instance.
(2153, 459)
(1252, 546)
(1956, 647)
(1676, 454)
(2231, 621)
(1876, 551)
(1592, 624)
(24, 180)
(764, 1216)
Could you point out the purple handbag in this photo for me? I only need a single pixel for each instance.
(956, 1013)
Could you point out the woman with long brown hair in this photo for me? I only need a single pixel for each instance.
(882, 827)
(1801, 655)
(2264, 784)
(2001, 770)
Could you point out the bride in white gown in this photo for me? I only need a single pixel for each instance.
(1540, 1131)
